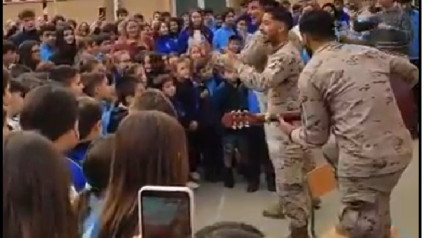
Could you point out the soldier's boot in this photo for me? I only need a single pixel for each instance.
(229, 181)
(300, 232)
(275, 211)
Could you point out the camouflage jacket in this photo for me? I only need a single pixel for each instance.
(278, 80)
(345, 90)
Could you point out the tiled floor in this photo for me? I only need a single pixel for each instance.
(215, 203)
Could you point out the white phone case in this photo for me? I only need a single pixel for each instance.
(167, 189)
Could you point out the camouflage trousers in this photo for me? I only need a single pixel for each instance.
(365, 211)
(290, 165)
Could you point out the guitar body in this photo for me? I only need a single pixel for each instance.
(405, 101)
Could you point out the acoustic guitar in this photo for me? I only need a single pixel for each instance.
(242, 119)
(402, 92)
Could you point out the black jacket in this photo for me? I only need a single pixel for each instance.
(22, 36)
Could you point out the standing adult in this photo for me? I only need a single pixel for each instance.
(278, 81)
(256, 54)
(358, 106)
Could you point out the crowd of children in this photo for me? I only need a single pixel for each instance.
(83, 86)
(113, 63)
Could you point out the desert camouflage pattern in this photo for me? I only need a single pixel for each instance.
(278, 81)
(345, 91)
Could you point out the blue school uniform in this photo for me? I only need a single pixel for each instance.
(165, 45)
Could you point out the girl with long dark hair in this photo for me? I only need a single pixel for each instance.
(195, 33)
(66, 46)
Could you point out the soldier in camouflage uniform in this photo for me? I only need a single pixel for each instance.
(279, 83)
(255, 54)
(345, 91)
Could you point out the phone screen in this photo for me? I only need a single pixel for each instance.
(165, 214)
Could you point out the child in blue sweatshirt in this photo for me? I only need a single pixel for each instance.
(164, 42)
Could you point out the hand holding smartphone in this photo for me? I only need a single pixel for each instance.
(166, 212)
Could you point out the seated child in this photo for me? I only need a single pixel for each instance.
(89, 126)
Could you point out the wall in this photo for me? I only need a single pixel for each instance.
(84, 10)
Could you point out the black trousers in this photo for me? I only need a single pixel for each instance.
(259, 155)
(211, 150)
(193, 149)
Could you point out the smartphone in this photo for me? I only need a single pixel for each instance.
(166, 212)
(102, 13)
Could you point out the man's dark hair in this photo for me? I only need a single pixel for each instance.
(90, 81)
(266, 3)
(17, 86)
(26, 13)
(89, 113)
(9, 46)
(121, 11)
(51, 110)
(235, 38)
(323, 31)
(47, 27)
(281, 14)
(63, 74)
